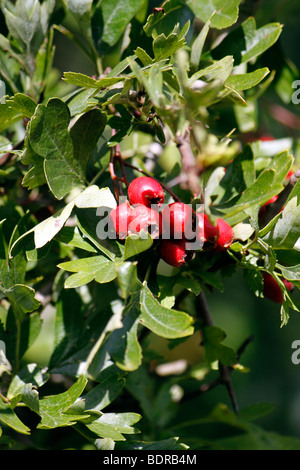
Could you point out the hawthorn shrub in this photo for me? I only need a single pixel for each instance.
(173, 93)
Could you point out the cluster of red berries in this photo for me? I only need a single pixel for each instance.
(176, 225)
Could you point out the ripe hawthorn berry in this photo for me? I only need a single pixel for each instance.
(174, 252)
(145, 190)
(178, 221)
(219, 236)
(206, 230)
(146, 219)
(225, 235)
(272, 289)
(120, 218)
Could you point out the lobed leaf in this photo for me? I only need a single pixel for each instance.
(163, 321)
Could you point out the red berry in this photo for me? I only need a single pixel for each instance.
(289, 285)
(206, 230)
(144, 218)
(174, 252)
(225, 237)
(120, 218)
(272, 289)
(145, 190)
(262, 210)
(177, 221)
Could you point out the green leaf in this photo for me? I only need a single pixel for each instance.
(9, 418)
(114, 425)
(35, 176)
(143, 56)
(124, 346)
(69, 328)
(95, 197)
(164, 47)
(110, 19)
(152, 83)
(81, 10)
(242, 231)
(49, 137)
(85, 134)
(30, 397)
(53, 409)
(257, 194)
(80, 100)
(44, 60)
(24, 23)
(82, 80)
(135, 244)
(247, 80)
(91, 197)
(22, 299)
(165, 444)
(254, 280)
(98, 268)
(8, 116)
(163, 321)
(31, 373)
(247, 117)
(127, 278)
(291, 273)
(219, 70)
(23, 104)
(163, 20)
(214, 350)
(246, 42)
(281, 163)
(198, 44)
(225, 13)
(88, 220)
(121, 344)
(12, 272)
(285, 233)
(21, 332)
(111, 383)
(48, 228)
(72, 237)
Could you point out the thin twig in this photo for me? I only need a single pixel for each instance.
(223, 370)
(115, 155)
(214, 383)
(189, 164)
(113, 174)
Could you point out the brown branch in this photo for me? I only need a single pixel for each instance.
(189, 166)
(115, 156)
(224, 371)
(112, 172)
(222, 379)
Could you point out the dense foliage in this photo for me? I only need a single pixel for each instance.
(175, 93)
